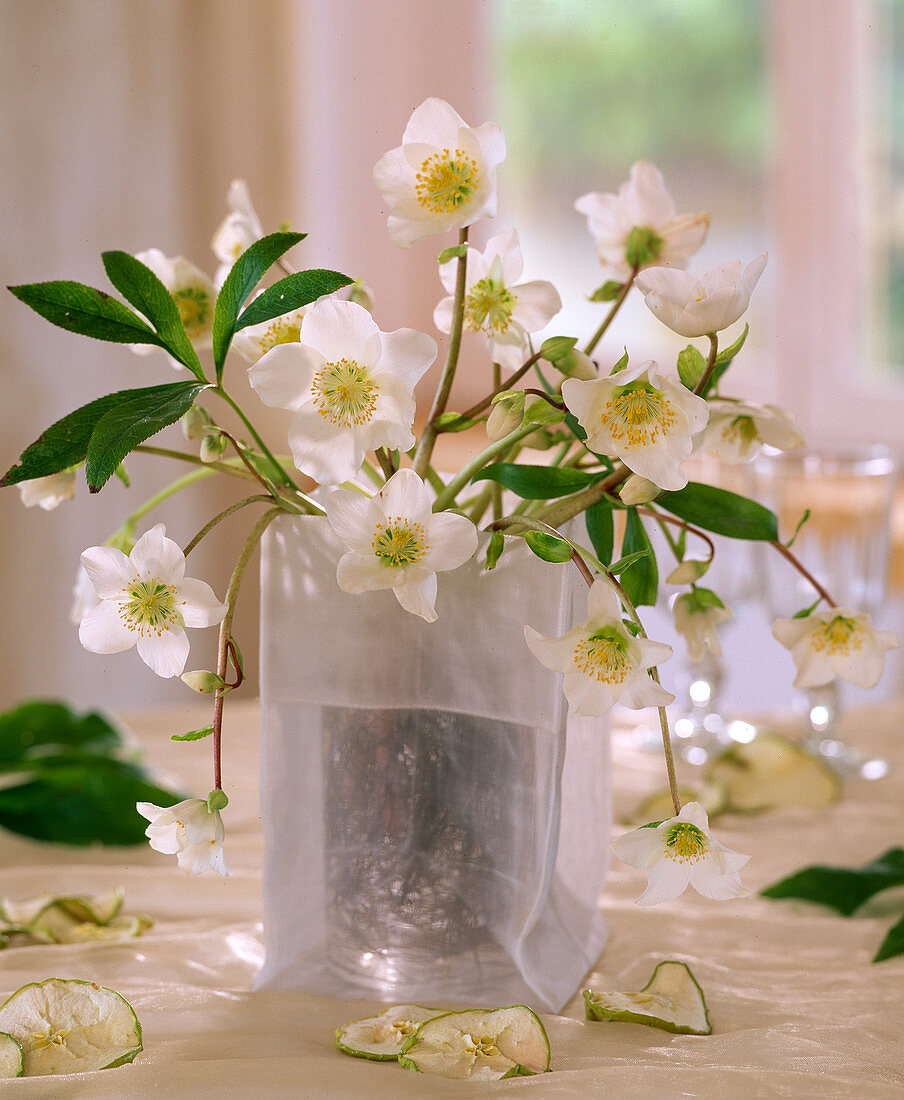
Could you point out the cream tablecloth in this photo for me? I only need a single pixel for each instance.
(797, 1008)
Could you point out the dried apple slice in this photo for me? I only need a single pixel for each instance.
(771, 772)
(12, 1060)
(380, 1038)
(672, 1000)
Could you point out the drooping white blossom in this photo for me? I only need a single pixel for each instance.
(693, 306)
(736, 432)
(682, 852)
(145, 600)
(193, 293)
(698, 614)
(496, 304)
(396, 541)
(47, 492)
(639, 226)
(442, 176)
(190, 831)
(240, 228)
(349, 385)
(645, 420)
(835, 642)
(602, 662)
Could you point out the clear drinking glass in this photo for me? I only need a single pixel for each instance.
(845, 545)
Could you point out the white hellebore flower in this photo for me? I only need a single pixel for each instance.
(349, 385)
(255, 341)
(396, 541)
(240, 228)
(47, 492)
(694, 306)
(146, 600)
(644, 420)
(697, 617)
(736, 432)
(681, 852)
(495, 303)
(639, 227)
(191, 831)
(193, 292)
(603, 664)
(443, 176)
(835, 642)
(84, 598)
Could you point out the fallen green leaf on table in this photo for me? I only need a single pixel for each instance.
(66, 1025)
(70, 778)
(50, 918)
(672, 1000)
(847, 889)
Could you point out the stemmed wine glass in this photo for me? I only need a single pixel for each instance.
(844, 543)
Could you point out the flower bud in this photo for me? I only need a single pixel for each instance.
(195, 423)
(638, 490)
(575, 364)
(203, 682)
(213, 447)
(507, 415)
(361, 295)
(688, 571)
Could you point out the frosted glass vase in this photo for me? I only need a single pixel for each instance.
(430, 833)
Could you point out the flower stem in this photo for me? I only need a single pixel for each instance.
(281, 476)
(428, 439)
(804, 572)
(461, 479)
(610, 316)
(232, 466)
(501, 387)
(158, 498)
(208, 527)
(225, 637)
(710, 364)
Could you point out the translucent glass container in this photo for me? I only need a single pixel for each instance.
(429, 830)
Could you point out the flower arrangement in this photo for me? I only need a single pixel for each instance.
(585, 439)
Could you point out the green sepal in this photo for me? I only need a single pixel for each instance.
(893, 944)
(141, 414)
(193, 735)
(621, 365)
(536, 482)
(600, 525)
(643, 246)
(843, 889)
(246, 273)
(722, 512)
(806, 612)
(704, 598)
(292, 292)
(140, 286)
(86, 311)
(217, 800)
(455, 252)
(608, 292)
(691, 366)
(641, 582)
(555, 347)
(548, 547)
(494, 549)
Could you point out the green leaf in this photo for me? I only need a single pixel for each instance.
(722, 512)
(494, 549)
(608, 292)
(691, 366)
(193, 735)
(39, 724)
(893, 944)
(455, 252)
(805, 612)
(621, 365)
(627, 561)
(133, 421)
(292, 292)
(536, 482)
(600, 529)
(723, 362)
(548, 547)
(641, 581)
(844, 889)
(140, 286)
(82, 799)
(89, 312)
(246, 273)
(217, 800)
(555, 347)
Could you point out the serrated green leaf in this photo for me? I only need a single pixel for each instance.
(132, 422)
(246, 273)
(844, 889)
(893, 944)
(641, 581)
(82, 799)
(494, 549)
(86, 311)
(292, 292)
(536, 482)
(140, 286)
(600, 529)
(691, 366)
(193, 735)
(722, 512)
(548, 547)
(39, 725)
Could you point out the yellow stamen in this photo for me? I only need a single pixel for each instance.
(150, 607)
(446, 181)
(686, 843)
(195, 308)
(838, 636)
(400, 542)
(280, 332)
(489, 305)
(344, 393)
(604, 656)
(638, 416)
